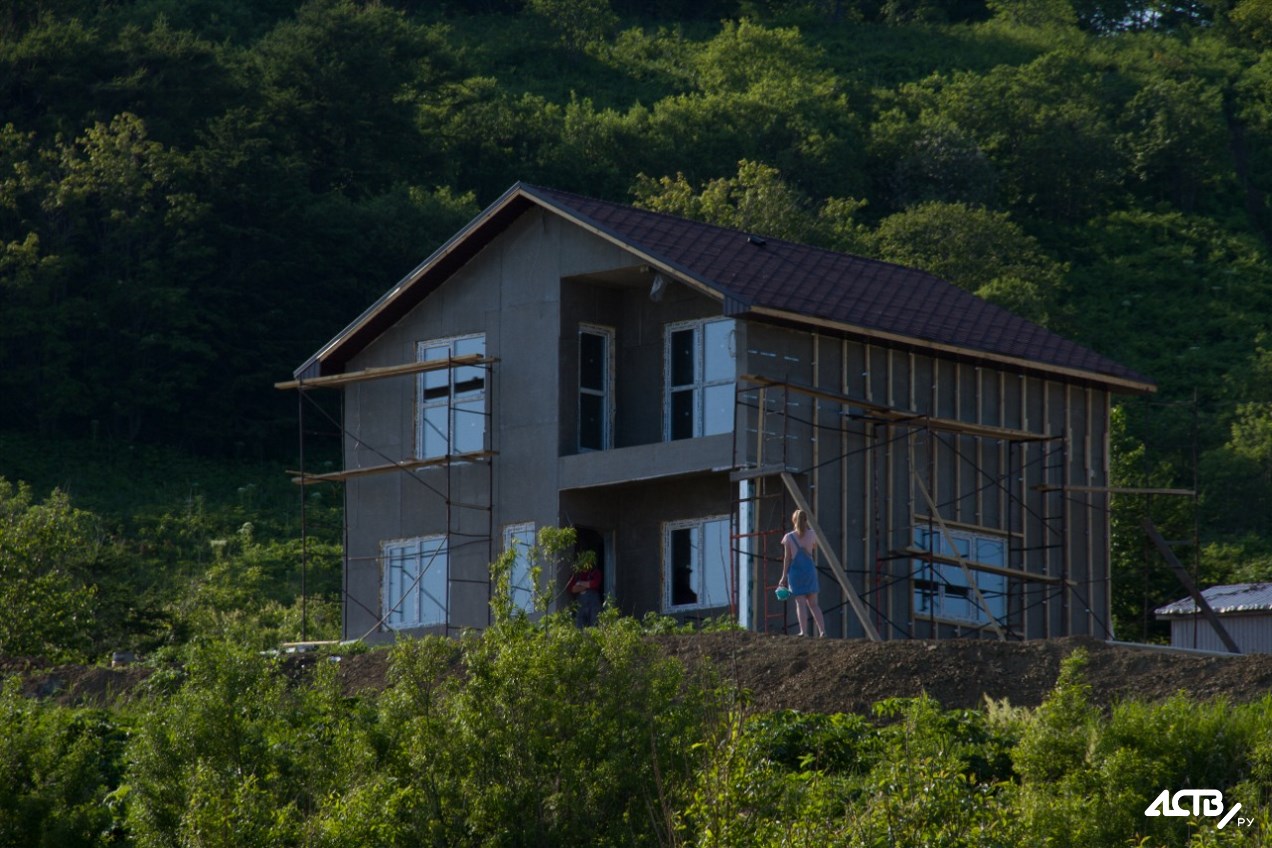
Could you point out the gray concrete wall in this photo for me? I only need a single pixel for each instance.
(526, 292)
(511, 293)
(636, 516)
(638, 323)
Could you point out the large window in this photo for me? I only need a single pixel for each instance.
(452, 401)
(941, 589)
(520, 539)
(696, 564)
(415, 582)
(700, 367)
(596, 387)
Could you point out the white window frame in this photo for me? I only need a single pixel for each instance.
(606, 393)
(702, 384)
(415, 582)
(463, 414)
(704, 564)
(521, 538)
(941, 590)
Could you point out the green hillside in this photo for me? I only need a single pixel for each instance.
(196, 194)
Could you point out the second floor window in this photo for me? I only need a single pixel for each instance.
(596, 392)
(700, 367)
(452, 401)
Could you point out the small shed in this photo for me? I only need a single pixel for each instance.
(1245, 610)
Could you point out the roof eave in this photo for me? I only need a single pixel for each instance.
(335, 349)
(1122, 384)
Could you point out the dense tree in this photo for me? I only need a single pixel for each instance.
(108, 244)
(982, 251)
(48, 552)
(177, 177)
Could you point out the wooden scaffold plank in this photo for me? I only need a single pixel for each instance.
(301, 479)
(381, 372)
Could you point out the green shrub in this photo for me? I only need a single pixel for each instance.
(238, 755)
(1086, 779)
(58, 767)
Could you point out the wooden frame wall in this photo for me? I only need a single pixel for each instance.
(1018, 456)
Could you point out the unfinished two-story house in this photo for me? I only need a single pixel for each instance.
(673, 390)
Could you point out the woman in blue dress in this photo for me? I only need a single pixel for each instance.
(799, 573)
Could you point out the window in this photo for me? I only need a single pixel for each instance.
(452, 401)
(596, 388)
(415, 582)
(941, 589)
(520, 538)
(700, 370)
(697, 565)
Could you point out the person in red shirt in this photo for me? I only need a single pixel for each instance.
(585, 586)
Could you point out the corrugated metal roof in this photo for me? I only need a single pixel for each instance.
(1240, 597)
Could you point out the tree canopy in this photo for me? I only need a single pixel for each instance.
(194, 196)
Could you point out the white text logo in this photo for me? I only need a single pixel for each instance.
(1194, 802)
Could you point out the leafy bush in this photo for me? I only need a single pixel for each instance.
(237, 756)
(47, 553)
(1086, 779)
(57, 769)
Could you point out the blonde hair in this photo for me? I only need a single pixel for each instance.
(800, 519)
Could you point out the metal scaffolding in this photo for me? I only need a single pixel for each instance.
(883, 440)
(401, 465)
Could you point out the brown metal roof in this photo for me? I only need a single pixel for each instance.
(759, 277)
(797, 281)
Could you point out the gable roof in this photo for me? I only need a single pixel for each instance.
(1239, 597)
(762, 278)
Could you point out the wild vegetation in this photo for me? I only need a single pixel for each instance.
(545, 734)
(195, 195)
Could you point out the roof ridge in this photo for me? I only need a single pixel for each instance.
(771, 278)
(750, 233)
(549, 194)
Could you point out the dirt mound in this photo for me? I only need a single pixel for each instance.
(826, 676)
(788, 672)
(812, 675)
(75, 685)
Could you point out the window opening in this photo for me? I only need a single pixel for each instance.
(596, 388)
(520, 538)
(452, 401)
(700, 368)
(696, 564)
(941, 590)
(415, 582)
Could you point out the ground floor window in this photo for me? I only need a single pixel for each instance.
(415, 582)
(520, 538)
(941, 589)
(697, 565)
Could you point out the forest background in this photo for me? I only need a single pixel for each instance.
(196, 194)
